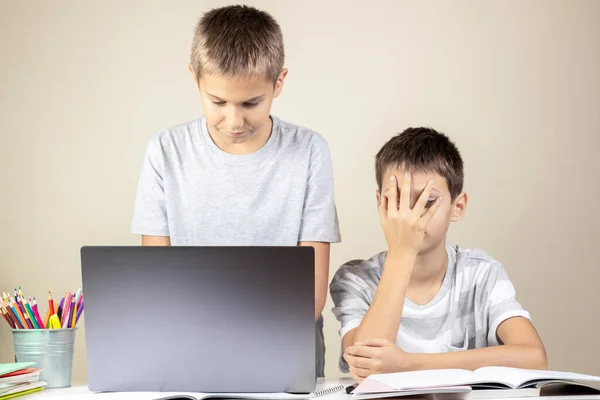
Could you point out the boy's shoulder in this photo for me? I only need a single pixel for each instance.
(177, 133)
(476, 268)
(472, 257)
(299, 135)
(363, 271)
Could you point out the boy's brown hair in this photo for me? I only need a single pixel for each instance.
(422, 150)
(237, 41)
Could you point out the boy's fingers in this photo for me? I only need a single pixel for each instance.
(405, 192)
(392, 201)
(359, 374)
(357, 362)
(419, 207)
(432, 209)
(359, 351)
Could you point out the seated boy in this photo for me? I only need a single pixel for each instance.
(421, 304)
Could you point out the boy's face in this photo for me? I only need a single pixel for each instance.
(237, 109)
(435, 233)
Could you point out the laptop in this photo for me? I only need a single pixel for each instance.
(199, 319)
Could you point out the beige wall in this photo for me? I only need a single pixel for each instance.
(516, 84)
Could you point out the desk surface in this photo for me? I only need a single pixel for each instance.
(82, 393)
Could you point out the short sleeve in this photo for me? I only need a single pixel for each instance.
(319, 215)
(351, 303)
(150, 213)
(501, 302)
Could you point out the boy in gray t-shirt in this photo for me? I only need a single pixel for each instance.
(422, 304)
(240, 176)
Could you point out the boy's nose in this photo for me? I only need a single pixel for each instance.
(235, 120)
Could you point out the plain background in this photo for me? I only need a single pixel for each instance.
(83, 86)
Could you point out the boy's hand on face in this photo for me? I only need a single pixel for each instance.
(376, 356)
(404, 228)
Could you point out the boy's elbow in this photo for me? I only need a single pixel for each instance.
(539, 358)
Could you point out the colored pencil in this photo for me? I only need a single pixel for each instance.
(79, 312)
(50, 303)
(30, 314)
(19, 314)
(37, 315)
(73, 315)
(47, 319)
(71, 320)
(28, 322)
(20, 303)
(77, 296)
(60, 308)
(8, 320)
(12, 314)
(65, 310)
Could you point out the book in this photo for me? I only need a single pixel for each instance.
(486, 378)
(6, 369)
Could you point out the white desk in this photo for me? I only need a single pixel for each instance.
(83, 393)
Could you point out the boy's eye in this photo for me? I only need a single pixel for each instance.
(250, 105)
(430, 203)
(219, 103)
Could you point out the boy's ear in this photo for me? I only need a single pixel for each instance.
(279, 83)
(191, 69)
(459, 207)
(378, 196)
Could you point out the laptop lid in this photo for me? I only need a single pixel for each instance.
(199, 319)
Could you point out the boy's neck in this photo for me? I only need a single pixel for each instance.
(430, 268)
(255, 143)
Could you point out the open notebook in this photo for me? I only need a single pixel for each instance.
(487, 378)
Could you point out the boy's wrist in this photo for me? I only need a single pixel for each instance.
(402, 256)
(418, 361)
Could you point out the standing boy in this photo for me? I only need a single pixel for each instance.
(239, 175)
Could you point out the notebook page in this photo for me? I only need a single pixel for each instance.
(426, 379)
(517, 377)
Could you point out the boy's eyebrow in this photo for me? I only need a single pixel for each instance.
(255, 98)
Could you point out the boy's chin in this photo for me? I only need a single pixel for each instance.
(429, 247)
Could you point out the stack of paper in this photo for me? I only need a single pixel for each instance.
(17, 379)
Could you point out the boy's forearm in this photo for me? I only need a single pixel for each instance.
(322, 251)
(516, 355)
(382, 320)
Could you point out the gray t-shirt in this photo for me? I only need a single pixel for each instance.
(197, 194)
(476, 296)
